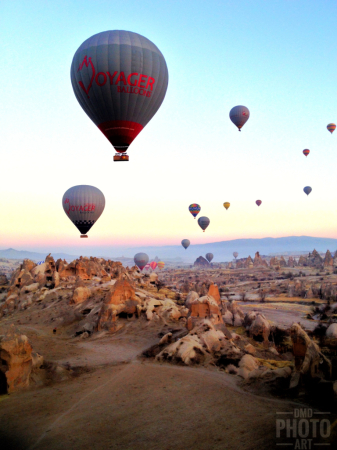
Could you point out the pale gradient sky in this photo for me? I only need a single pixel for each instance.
(278, 58)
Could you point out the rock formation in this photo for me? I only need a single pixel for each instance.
(259, 262)
(328, 260)
(201, 262)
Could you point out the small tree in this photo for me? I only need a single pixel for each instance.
(262, 295)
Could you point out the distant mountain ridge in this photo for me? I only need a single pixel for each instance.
(11, 253)
(223, 250)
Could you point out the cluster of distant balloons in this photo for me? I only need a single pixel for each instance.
(142, 261)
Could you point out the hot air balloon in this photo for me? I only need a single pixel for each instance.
(258, 202)
(306, 152)
(185, 243)
(307, 190)
(209, 257)
(120, 79)
(153, 265)
(227, 205)
(141, 260)
(239, 115)
(147, 266)
(83, 205)
(161, 265)
(194, 209)
(203, 222)
(235, 254)
(331, 127)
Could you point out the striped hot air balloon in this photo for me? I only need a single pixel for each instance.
(306, 152)
(331, 127)
(120, 80)
(194, 209)
(161, 265)
(147, 266)
(153, 265)
(83, 205)
(239, 115)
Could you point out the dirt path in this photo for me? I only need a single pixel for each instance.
(141, 406)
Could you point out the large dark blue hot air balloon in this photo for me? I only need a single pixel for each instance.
(307, 190)
(239, 115)
(203, 222)
(185, 243)
(141, 259)
(83, 205)
(120, 79)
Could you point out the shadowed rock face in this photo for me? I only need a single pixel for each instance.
(328, 260)
(201, 262)
(3, 279)
(16, 360)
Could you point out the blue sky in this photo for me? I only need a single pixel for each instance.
(278, 58)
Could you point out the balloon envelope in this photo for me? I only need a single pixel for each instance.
(307, 190)
(194, 209)
(331, 127)
(185, 243)
(306, 152)
(161, 265)
(141, 259)
(239, 115)
(153, 265)
(147, 266)
(203, 222)
(209, 257)
(235, 254)
(83, 205)
(227, 205)
(258, 202)
(120, 79)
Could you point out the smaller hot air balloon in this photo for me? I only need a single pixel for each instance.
(227, 205)
(239, 115)
(141, 259)
(258, 202)
(307, 190)
(203, 222)
(209, 257)
(161, 265)
(306, 152)
(185, 243)
(235, 254)
(153, 265)
(331, 127)
(194, 209)
(83, 205)
(147, 266)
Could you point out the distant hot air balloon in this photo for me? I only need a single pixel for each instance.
(307, 190)
(161, 265)
(147, 266)
(120, 79)
(227, 205)
(258, 202)
(141, 260)
(209, 257)
(185, 243)
(203, 222)
(194, 209)
(306, 152)
(235, 254)
(239, 115)
(331, 127)
(153, 265)
(83, 205)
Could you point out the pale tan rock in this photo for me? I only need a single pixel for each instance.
(31, 288)
(260, 327)
(166, 339)
(187, 350)
(250, 349)
(247, 364)
(331, 331)
(80, 295)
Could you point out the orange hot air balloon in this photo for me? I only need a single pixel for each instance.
(227, 205)
(331, 127)
(153, 265)
(306, 152)
(161, 265)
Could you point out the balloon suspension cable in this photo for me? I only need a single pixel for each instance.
(83, 236)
